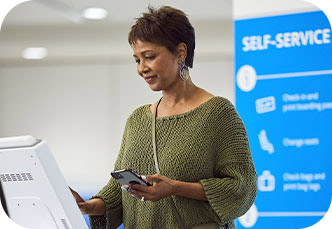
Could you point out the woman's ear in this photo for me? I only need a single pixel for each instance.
(181, 52)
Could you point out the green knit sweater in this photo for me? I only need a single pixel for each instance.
(208, 144)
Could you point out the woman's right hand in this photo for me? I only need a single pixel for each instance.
(94, 206)
(83, 206)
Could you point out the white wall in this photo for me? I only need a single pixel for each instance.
(260, 8)
(81, 110)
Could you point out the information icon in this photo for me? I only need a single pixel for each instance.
(250, 218)
(246, 78)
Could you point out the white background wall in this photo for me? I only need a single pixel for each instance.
(81, 110)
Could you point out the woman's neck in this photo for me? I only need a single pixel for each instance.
(180, 92)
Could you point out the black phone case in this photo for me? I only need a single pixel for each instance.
(128, 176)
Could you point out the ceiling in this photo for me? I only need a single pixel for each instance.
(67, 12)
(58, 26)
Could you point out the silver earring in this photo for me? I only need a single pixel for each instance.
(184, 71)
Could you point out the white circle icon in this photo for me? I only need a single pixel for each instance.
(246, 78)
(250, 218)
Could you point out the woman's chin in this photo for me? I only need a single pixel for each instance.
(155, 88)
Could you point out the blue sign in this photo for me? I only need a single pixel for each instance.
(283, 87)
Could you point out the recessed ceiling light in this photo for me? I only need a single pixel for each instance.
(95, 13)
(34, 53)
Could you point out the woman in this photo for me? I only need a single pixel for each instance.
(207, 177)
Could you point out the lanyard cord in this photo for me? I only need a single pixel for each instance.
(154, 115)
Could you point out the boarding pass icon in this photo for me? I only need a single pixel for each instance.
(266, 104)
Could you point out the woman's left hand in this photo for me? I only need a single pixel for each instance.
(162, 187)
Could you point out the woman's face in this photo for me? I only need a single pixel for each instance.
(156, 64)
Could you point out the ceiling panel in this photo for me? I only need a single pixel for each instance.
(60, 12)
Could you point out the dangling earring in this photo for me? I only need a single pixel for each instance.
(184, 71)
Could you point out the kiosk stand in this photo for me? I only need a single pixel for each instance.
(33, 188)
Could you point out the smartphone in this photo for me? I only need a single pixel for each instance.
(128, 176)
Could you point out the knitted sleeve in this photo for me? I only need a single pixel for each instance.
(233, 189)
(111, 194)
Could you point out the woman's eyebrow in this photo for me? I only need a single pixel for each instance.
(143, 52)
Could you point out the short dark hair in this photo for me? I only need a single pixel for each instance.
(165, 26)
